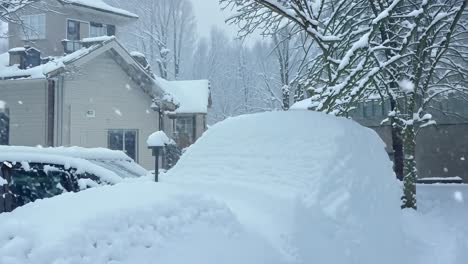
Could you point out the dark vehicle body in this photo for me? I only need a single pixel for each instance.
(28, 174)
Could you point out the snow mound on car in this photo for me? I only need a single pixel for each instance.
(320, 188)
(138, 222)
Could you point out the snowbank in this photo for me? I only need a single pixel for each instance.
(440, 223)
(320, 188)
(128, 223)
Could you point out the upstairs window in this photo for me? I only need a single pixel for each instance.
(34, 27)
(97, 30)
(73, 30)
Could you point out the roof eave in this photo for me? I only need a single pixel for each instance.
(102, 10)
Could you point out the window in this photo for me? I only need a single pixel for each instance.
(4, 126)
(97, 30)
(34, 27)
(124, 140)
(73, 30)
(111, 30)
(184, 125)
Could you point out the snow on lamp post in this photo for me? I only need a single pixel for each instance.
(156, 142)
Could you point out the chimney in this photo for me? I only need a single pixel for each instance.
(26, 57)
(16, 55)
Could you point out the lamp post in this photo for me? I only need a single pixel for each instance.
(156, 142)
(156, 151)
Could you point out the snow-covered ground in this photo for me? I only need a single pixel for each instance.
(294, 187)
(440, 225)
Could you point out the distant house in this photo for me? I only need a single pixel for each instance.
(89, 90)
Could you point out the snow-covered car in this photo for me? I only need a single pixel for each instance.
(28, 173)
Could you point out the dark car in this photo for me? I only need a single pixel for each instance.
(28, 174)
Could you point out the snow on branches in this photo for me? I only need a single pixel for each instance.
(8, 8)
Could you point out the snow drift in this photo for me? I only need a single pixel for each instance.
(139, 222)
(320, 188)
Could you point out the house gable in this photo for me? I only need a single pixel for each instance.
(102, 87)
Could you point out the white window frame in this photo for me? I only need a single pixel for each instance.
(124, 146)
(186, 123)
(96, 34)
(32, 31)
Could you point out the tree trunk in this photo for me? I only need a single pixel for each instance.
(397, 144)
(410, 170)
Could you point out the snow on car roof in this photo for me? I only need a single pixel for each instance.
(192, 95)
(322, 182)
(111, 166)
(81, 165)
(101, 6)
(75, 152)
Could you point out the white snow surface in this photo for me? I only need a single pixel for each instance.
(192, 96)
(129, 223)
(158, 139)
(320, 188)
(99, 4)
(302, 105)
(295, 187)
(75, 152)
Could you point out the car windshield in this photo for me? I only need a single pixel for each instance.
(122, 168)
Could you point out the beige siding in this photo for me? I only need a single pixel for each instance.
(27, 102)
(56, 26)
(101, 85)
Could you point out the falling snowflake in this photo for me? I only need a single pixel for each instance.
(117, 112)
(458, 196)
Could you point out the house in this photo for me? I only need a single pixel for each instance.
(93, 92)
(186, 123)
(441, 149)
(56, 27)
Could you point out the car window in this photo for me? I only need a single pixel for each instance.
(30, 185)
(30, 182)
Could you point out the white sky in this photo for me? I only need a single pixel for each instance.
(208, 13)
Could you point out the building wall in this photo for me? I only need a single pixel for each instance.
(119, 103)
(441, 151)
(56, 26)
(27, 103)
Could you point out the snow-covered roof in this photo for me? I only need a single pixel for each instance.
(41, 71)
(191, 95)
(100, 5)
